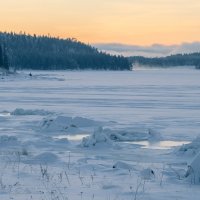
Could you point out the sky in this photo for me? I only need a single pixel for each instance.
(133, 22)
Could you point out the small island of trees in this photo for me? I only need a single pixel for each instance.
(192, 59)
(50, 53)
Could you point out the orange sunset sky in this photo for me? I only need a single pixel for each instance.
(141, 22)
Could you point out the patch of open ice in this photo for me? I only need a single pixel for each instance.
(76, 137)
(4, 114)
(21, 111)
(164, 145)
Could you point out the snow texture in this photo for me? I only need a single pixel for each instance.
(190, 149)
(21, 111)
(64, 123)
(193, 170)
(96, 139)
(118, 112)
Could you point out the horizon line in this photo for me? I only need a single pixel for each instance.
(98, 43)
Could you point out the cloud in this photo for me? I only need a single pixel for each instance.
(155, 50)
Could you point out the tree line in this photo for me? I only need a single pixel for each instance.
(49, 53)
(192, 59)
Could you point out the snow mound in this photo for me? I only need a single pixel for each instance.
(64, 123)
(147, 174)
(6, 140)
(194, 170)
(154, 135)
(84, 122)
(62, 141)
(59, 123)
(124, 135)
(127, 135)
(108, 186)
(190, 149)
(45, 158)
(21, 111)
(2, 119)
(97, 138)
(122, 165)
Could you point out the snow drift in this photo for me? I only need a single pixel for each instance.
(194, 170)
(62, 123)
(132, 135)
(122, 165)
(147, 174)
(97, 138)
(6, 140)
(44, 158)
(190, 149)
(21, 111)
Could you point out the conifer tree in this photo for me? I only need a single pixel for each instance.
(1, 57)
(5, 58)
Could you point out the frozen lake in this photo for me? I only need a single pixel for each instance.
(166, 100)
(77, 135)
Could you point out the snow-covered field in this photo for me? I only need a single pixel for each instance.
(100, 135)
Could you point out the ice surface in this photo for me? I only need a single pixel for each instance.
(21, 111)
(147, 174)
(194, 170)
(144, 115)
(63, 123)
(122, 165)
(45, 158)
(6, 140)
(190, 149)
